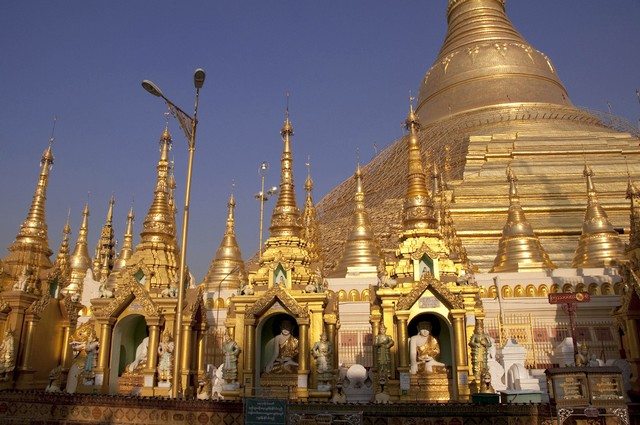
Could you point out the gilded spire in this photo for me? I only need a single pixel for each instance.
(311, 232)
(158, 249)
(361, 248)
(127, 244)
(105, 249)
(227, 268)
(80, 260)
(599, 243)
(445, 221)
(418, 205)
(63, 259)
(31, 246)
(484, 61)
(285, 220)
(633, 195)
(519, 248)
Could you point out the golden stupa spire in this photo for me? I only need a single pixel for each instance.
(63, 259)
(127, 243)
(483, 62)
(285, 220)
(227, 268)
(80, 259)
(311, 232)
(519, 248)
(105, 247)
(417, 212)
(158, 249)
(361, 250)
(31, 246)
(171, 182)
(599, 243)
(633, 195)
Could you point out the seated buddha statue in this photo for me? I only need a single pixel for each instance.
(423, 350)
(285, 351)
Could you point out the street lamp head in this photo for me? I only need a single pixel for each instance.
(273, 190)
(152, 88)
(198, 78)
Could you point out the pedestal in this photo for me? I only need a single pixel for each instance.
(480, 398)
(516, 396)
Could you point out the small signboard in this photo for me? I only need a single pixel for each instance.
(405, 381)
(569, 298)
(265, 411)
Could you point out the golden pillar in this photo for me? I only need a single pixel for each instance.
(106, 328)
(249, 352)
(401, 331)
(460, 341)
(303, 360)
(65, 348)
(154, 340)
(28, 342)
(186, 355)
(201, 347)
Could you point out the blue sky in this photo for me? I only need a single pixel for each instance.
(349, 66)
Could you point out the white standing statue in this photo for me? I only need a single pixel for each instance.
(423, 350)
(165, 360)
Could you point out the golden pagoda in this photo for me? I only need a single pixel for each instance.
(127, 243)
(285, 259)
(158, 248)
(80, 260)
(491, 98)
(138, 314)
(361, 253)
(519, 248)
(105, 248)
(30, 251)
(226, 271)
(421, 245)
(599, 244)
(61, 272)
(311, 232)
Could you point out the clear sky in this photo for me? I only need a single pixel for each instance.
(349, 66)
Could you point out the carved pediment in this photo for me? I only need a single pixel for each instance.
(439, 289)
(128, 290)
(195, 304)
(272, 296)
(422, 250)
(39, 305)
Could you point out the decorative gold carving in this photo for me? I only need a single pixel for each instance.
(270, 297)
(40, 304)
(453, 301)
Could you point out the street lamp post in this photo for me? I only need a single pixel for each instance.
(189, 125)
(262, 197)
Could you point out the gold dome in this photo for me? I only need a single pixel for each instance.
(227, 268)
(519, 248)
(484, 61)
(361, 248)
(599, 243)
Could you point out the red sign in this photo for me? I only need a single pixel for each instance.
(569, 298)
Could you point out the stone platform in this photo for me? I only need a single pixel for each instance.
(22, 407)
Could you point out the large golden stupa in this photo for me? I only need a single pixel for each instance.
(491, 99)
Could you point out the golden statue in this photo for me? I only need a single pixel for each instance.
(383, 344)
(7, 356)
(424, 349)
(480, 343)
(285, 351)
